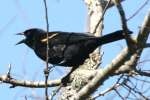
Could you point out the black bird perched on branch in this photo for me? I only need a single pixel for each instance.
(66, 48)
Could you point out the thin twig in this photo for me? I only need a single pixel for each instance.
(136, 91)
(119, 94)
(28, 83)
(114, 87)
(46, 71)
(122, 16)
(102, 16)
(138, 10)
(8, 24)
(55, 92)
(106, 91)
(129, 41)
(25, 98)
(9, 71)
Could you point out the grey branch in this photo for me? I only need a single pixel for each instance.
(30, 84)
(124, 56)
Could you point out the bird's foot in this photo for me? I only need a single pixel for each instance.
(65, 80)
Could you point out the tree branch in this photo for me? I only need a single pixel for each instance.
(116, 63)
(27, 83)
(46, 71)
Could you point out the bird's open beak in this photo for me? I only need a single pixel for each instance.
(22, 41)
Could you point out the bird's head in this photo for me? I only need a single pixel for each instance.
(31, 36)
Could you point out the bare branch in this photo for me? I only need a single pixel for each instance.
(134, 89)
(119, 95)
(46, 71)
(130, 43)
(106, 91)
(30, 84)
(143, 73)
(144, 32)
(116, 63)
(138, 10)
(10, 22)
(147, 45)
(107, 5)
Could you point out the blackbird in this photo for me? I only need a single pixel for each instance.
(69, 49)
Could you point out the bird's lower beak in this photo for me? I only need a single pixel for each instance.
(20, 42)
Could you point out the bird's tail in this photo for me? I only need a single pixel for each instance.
(114, 36)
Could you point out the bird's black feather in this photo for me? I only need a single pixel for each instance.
(67, 48)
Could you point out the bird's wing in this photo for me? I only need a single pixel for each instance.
(66, 38)
(74, 38)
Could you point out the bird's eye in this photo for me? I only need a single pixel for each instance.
(27, 34)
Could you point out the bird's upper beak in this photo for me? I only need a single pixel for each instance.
(22, 41)
(20, 34)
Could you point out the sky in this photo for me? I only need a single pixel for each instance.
(64, 15)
